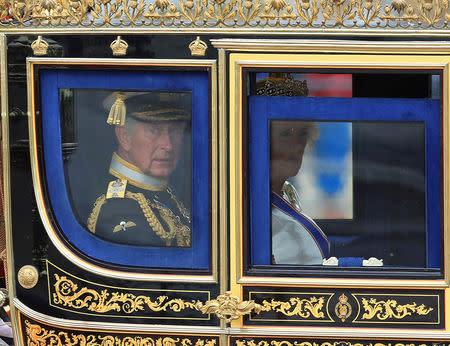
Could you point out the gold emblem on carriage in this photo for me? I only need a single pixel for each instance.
(343, 309)
(119, 47)
(198, 47)
(39, 46)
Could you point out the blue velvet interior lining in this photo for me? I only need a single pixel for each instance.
(264, 108)
(196, 257)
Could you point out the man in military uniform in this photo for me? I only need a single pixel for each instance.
(138, 207)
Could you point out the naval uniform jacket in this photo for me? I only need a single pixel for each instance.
(136, 209)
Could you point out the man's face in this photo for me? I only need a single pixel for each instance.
(155, 147)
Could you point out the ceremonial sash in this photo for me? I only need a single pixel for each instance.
(317, 234)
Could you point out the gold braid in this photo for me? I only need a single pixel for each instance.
(176, 229)
(152, 219)
(179, 204)
(92, 220)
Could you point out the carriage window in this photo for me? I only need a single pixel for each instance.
(119, 169)
(352, 170)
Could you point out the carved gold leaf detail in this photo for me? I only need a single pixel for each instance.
(67, 293)
(297, 307)
(37, 335)
(228, 307)
(286, 14)
(325, 343)
(384, 309)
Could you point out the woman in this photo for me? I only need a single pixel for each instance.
(296, 238)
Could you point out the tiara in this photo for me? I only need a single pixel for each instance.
(281, 84)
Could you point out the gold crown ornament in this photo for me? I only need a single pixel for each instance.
(198, 47)
(119, 47)
(281, 84)
(39, 46)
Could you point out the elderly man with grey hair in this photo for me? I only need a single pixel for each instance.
(138, 207)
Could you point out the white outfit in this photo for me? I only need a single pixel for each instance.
(296, 238)
(291, 242)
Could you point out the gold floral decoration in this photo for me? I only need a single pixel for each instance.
(307, 10)
(324, 343)
(386, 309)
(286, 14)
(297, 307)
(68, 294)
(37, 335)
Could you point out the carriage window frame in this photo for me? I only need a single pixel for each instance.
(205, 167)
(243, 63)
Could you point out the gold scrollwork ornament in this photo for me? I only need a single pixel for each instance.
(39, 335)
(296, 306)
(283, 342)
(228, 307)
(289, 14)
(391, 309)
(70, 295)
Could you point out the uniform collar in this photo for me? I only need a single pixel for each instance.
(124, 170)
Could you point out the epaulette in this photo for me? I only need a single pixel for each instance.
(116, 189)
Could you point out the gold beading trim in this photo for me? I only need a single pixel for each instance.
(38, 335)
(286, 15)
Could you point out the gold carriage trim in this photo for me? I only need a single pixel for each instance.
(284, 342)
(228, 307)
(390, 309)
(312, 308)
(288, 15)
(296, 306)
(39, 335)
(69, 294)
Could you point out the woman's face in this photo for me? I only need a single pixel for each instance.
(288, 141)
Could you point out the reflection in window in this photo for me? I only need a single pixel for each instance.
(354, 162)
(129, 183)
(377, 183)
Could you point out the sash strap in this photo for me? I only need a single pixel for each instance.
(320, 238)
